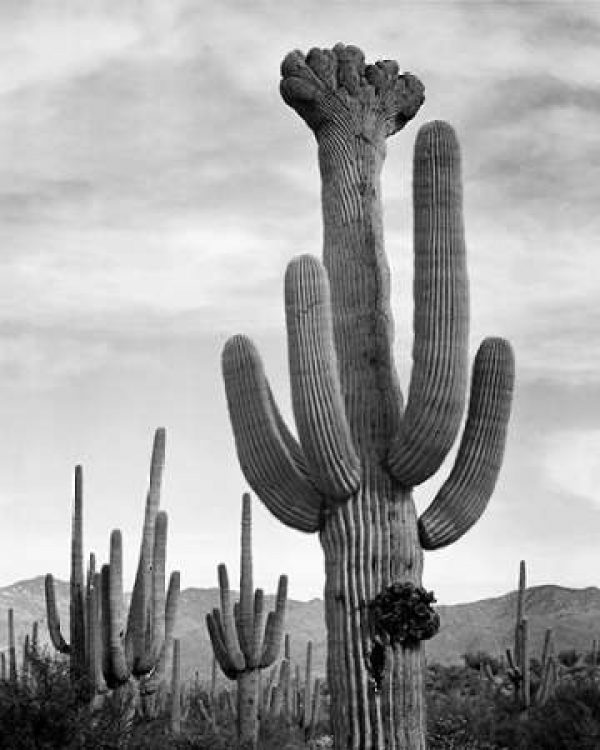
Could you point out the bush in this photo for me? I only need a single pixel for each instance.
(570, 720)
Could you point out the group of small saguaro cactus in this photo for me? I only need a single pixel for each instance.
(287, 697)
(528, 687)
(9, 667)
(101, 647)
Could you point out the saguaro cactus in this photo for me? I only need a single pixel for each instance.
(241, 642)
(143, 649)
(80, 640)
(359, 452)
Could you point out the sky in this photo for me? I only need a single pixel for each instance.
(153, 188)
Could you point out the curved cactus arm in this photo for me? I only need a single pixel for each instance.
(438, 381)
(229, 629)
(94, 634)
(215, 631)
(140, 596)
(172, 606)
(119, 671)
(263, 453)
(53, 618)
(245, 619)
(164, 649)
(275, 626)
(465, 494)
(316, 392)
(108, 673)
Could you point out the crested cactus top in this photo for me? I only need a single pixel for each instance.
(334, 87)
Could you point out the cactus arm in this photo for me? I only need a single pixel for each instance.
(465, 494)
(275, 625)
(164, 649)
(175, 715)
(217, 640)
(520, 609)
(307, 687)
(94, 634)
(245, 620)
(138, 608)
(229, 629)
(262, 451)
(12, 647)
(258, 627)
(438, 384)
(119, 670)
(316, 392)
(171, 609)
(53, 618)
(158, 583)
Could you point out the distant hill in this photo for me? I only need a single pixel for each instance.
(574, 615)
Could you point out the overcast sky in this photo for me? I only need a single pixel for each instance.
(153, 187)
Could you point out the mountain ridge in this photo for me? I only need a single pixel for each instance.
(485, 624)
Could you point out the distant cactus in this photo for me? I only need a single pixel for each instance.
(79, 641)
(359, 452)
(100, 644)
(12, 648)
(241, 642)
(141, 650)
(175, 706)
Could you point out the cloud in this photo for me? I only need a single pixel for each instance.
(572, 462)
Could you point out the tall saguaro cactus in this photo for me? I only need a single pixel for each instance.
(78, 646)
(241, 642)
(141, 650)
(360, 450)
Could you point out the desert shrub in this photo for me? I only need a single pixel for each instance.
(44, 711)
(569, 657)
(477, 659)
(570, 720)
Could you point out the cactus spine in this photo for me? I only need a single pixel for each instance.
(359, 452)
(241, 642)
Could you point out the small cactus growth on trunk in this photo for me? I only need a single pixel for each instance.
(360, 448)
(242, 644)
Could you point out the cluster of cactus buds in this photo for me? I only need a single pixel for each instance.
(403, 613)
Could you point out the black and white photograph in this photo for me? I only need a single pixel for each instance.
(300, 375)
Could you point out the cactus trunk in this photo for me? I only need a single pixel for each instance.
(372, 540)
(353, 254)
(368, 543)
(247, 709)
